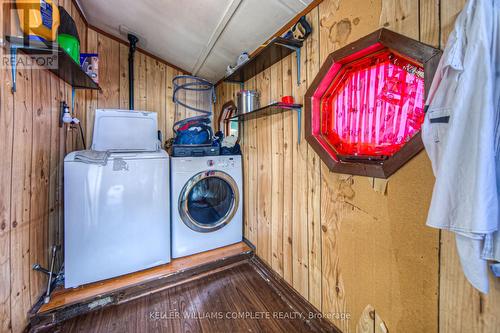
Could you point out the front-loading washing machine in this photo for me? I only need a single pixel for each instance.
(206, 203)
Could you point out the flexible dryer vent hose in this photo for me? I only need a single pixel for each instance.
(203, 88)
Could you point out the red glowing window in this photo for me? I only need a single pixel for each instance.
(373, 106)
(365, 108)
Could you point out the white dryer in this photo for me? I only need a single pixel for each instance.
(206, 203)
(117, 211)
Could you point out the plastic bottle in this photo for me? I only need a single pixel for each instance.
(38, 19)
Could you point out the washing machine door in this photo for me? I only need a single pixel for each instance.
(208, 201)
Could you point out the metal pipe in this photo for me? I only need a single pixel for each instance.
(133, 46)
(39, 268)
(51, 272)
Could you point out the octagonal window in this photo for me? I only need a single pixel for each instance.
(373, 106)
(365, 109)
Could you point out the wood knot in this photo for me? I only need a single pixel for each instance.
(324, 228)
(289, 240)
(3, 226)
(14, 224)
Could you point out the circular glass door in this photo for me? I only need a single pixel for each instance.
(208, 201)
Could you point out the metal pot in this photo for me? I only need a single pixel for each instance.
(248, 100)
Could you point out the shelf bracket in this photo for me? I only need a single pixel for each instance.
(13, 65)
(297, 53)
(73, 91)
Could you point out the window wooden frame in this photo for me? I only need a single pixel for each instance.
(427, 56)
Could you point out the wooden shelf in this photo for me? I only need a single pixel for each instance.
(266, 111)
(273, 52)
(67, 69)
(270, 110)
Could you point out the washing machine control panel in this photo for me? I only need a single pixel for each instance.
(197, 164)
(221, 162)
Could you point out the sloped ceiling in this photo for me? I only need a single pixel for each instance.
(199, 36)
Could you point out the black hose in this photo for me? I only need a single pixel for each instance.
(83, 136)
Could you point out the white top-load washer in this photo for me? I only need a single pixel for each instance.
(117, 215)
(206, 203)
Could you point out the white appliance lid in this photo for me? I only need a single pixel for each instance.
(125, 130)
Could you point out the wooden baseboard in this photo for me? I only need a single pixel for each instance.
(84, 300)
(296, 301)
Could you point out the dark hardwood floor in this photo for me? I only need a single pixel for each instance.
(238, 299)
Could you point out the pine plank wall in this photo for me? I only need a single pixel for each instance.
(32, 149)
(344, 246)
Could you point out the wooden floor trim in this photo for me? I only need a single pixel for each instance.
(269, 280)
(66, 304)
(296, 301)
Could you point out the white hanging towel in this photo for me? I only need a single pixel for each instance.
(459, 136)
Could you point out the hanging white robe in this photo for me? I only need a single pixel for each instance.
(491, 249)
(459, 136)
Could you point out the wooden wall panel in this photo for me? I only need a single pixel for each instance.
(91, 95)
(429, 20)
(31, 186)
(314, 176)
(373, 251)
(264, 171)
(277, 175)
(170, 108)
(140, 83)
(80, 95)
(6, 149)
(156, 92)
(123, 63)
(33, 149)
(341, 244)
(109, 72)
(40, 160)
(20, 200)
(287, 174)
(252, 169)
(300, 251)
(57, 140)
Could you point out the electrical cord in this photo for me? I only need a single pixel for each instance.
(67, 118)
(82, 135)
